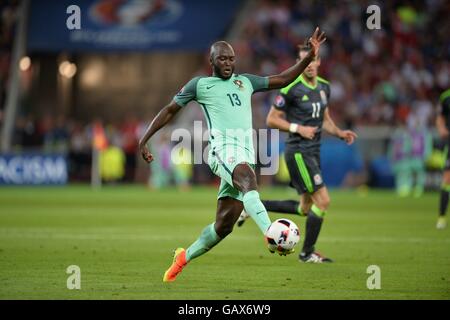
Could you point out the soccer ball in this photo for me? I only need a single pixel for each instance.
(282, 236)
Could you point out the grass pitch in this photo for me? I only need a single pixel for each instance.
(122, 239)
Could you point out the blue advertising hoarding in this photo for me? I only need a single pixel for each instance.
(338, 160)
(127, 25)
(33, 169)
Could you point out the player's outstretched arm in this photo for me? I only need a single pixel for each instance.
(328, 124)
(286, 77)
(276, 120)
(161, 119)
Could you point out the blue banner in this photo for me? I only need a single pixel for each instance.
(33, 169)
(338, 160)
(127, 25)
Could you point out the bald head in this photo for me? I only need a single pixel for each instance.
(222, 59)
(218, 47)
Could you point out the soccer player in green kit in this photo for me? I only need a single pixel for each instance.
(226, 101)
(301, 108)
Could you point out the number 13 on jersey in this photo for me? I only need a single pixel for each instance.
(234, 99)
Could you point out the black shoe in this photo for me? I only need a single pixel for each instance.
(313, 257)
(244, 216)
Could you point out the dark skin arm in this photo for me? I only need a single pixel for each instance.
(278, 81)
(161, 119)
(286, 77)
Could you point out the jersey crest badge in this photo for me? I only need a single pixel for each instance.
(305, 98)
(317, 179)
(323, 96)
(279, 101)
(239, 84)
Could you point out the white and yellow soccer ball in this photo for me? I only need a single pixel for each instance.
(282, 236)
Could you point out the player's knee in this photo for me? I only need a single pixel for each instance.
(307, 201)
(323, 204)
(249, 180)
(244, 178)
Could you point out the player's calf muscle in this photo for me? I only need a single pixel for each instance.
(228, 211)
(223, 228)
(323, 204)
(321, 199)
(224, 224)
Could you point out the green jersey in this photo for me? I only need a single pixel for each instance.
(226, 104)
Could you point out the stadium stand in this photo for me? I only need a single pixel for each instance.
(378, 77)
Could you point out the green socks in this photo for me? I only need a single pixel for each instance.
(208, 239)
(255, 208)
(317, 211)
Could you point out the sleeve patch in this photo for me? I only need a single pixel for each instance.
(280, 102)
(324, 97)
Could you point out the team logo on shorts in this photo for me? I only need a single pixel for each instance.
(317, 179)
(239, 84)
(279, 101)
(323, 96)
(231, 160)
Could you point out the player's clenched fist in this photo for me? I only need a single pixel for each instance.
(307, 132)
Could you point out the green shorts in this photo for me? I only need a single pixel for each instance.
(223, 160)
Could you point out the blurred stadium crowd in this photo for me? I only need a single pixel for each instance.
(383, 77)
(378, 77)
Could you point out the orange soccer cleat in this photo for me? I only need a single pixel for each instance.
(179, 262)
